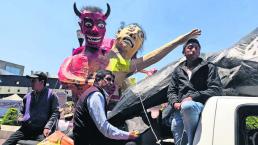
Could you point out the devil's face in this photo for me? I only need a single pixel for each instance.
(94, 28)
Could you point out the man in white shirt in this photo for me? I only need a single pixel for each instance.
(90, 118)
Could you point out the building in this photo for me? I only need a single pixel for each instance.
(8, 68)
(12, 82)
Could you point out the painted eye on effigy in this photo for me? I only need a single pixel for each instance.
(141, 35)
(88, 24)
(101, 25)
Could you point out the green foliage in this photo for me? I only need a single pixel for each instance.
(10, 117)
(252, 122)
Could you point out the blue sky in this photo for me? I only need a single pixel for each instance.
(39, 34)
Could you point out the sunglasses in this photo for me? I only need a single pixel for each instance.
(109, 79)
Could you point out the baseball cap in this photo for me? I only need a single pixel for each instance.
(38, 75)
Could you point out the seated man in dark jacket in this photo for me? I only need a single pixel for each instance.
(40, 112)
(90, 118)
(193, 82)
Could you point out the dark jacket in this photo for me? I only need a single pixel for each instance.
(85, 131)
(204, 83)
(44, 110)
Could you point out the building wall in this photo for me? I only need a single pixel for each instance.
(22, 81)
(12, 84)
(12, 67)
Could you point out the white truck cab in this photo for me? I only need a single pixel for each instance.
(224, 121)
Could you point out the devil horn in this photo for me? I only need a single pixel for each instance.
(108, 11)
(76, 11)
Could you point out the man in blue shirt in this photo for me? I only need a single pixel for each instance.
(90, 118)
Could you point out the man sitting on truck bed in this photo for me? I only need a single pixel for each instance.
(192, 83)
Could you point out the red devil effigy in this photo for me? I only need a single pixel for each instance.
(79, 69)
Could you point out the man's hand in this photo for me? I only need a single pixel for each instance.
(20, 119)
(134, 134)
(177, 106)
(46, 132)
(193, 34)
(189, 98)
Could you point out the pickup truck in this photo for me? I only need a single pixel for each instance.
(226, 121)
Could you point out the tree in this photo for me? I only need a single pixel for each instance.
(10, 117)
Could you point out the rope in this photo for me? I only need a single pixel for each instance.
(158, 141)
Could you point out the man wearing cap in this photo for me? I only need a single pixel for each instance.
(193, 82)
(40, 112)
(90, 118)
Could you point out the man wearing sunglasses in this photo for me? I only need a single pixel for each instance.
(193, 82)
(90, 118)
(40, 112)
